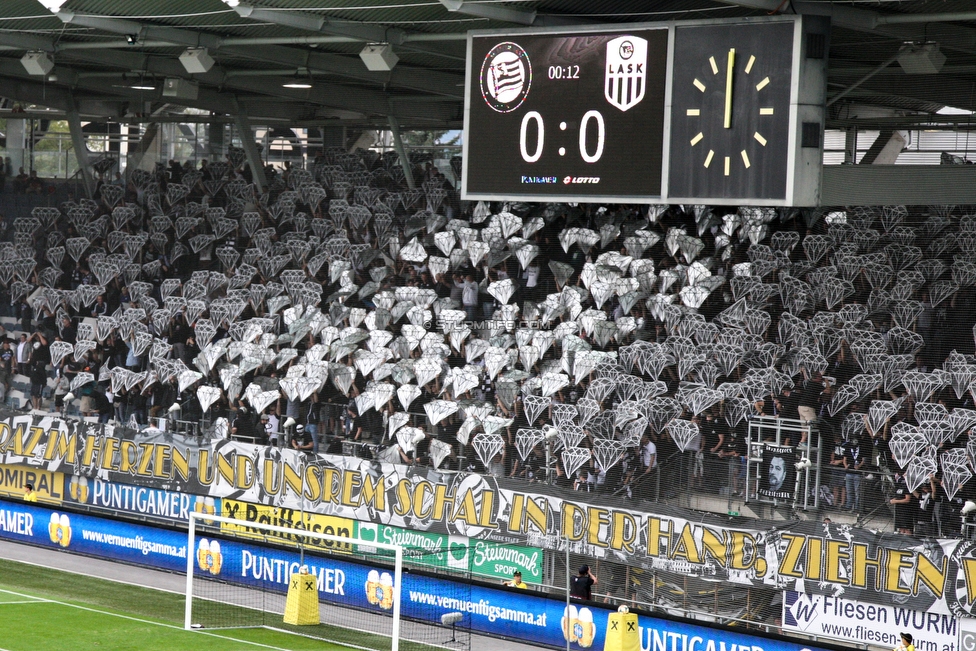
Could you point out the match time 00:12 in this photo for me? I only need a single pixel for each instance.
(564, 72)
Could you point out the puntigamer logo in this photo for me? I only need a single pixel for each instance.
(539, 179)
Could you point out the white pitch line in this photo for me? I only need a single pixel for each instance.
(32, 601)
(144, 621)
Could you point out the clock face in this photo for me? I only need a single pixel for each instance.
(730, 111)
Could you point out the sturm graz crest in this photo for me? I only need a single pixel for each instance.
(506, 76)
(626, 71)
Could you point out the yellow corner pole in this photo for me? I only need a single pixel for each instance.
(302, 604)
(623, 633)
(728, 89)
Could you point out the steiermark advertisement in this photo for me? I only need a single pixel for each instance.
(480, 557)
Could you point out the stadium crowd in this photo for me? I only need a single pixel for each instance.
(619, 349)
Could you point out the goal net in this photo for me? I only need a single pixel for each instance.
(344, 590)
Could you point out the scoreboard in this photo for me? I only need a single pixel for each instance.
(721, 112)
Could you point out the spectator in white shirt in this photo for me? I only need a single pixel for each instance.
(469, 296)
(23, 354)
(645, 480)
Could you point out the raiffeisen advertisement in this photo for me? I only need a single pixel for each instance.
(519, 614)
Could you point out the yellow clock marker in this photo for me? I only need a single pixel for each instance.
(711, 60)
(700, 86)
(708, 159)
(728, 163)
(728, 89)
(766, 111)
(697, 139)
(694, 112)
(745, 158)
(759, 138)
(762, 84)
(752, 60)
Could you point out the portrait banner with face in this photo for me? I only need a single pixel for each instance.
(778, 476)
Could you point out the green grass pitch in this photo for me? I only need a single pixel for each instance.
(45, 610)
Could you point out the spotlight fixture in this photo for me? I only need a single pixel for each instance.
(37, 63)
(196, 60)
(379, 57)
(131, 39)
(54, 6)
(301, 80)
(921, 59)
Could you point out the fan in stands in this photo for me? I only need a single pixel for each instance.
(340, 301)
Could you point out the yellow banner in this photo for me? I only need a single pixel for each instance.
(248, 514)
(49, 486)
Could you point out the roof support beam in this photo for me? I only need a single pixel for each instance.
(900, 26)
(403, 76)
(250, 148)
(863, 79)
(492, 12)
(141, 30)
(363, 100)
(32, 92)
(441, 83)
(401, 152)
(81, 149)
(315, 23)
(507, 14)
(955, 91)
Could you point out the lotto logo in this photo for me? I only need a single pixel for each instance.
(209, 558)
(60, 529)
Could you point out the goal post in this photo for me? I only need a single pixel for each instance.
(226, 595)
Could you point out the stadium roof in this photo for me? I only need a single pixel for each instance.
(111, 57)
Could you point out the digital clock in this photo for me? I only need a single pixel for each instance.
(568, 115)
(564, 72)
